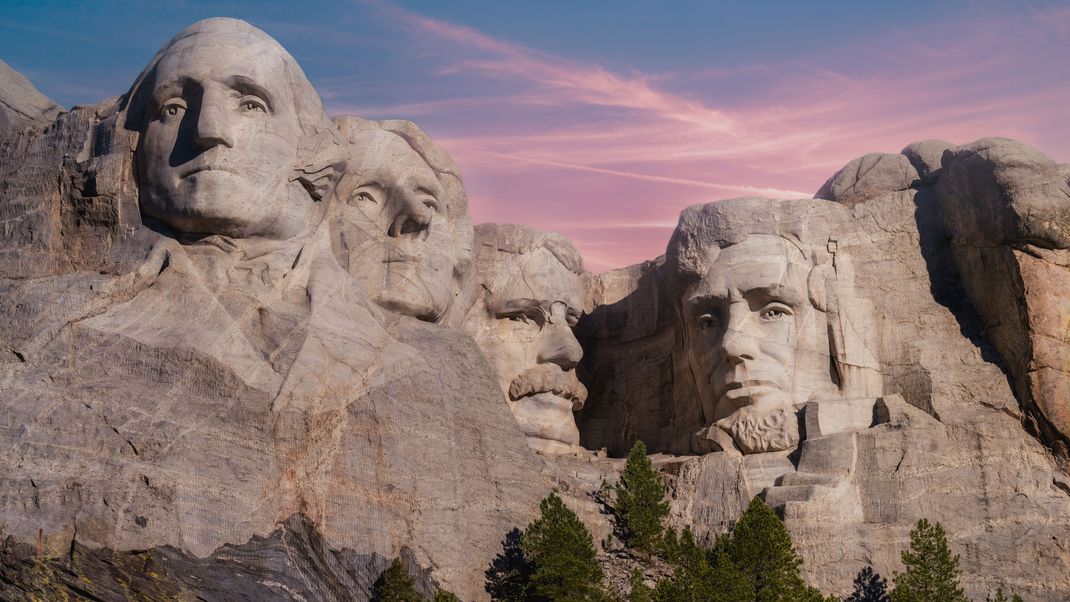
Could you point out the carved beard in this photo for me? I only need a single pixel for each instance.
(758, 431)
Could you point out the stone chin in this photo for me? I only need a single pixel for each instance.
(194, 204)
(407, 292)
(547, 422)
(757, 430)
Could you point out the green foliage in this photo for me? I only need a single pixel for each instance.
(561, 552)
(869, 587)
(641, 504)
(445, 596)
(700, 575)
(638, 591)
(1002, 598)
(761, 548)
(509, 575)
(395, 585)
(931, 573)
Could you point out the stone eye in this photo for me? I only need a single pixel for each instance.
(251, 104)
(361, 197)
(172, 108)
(707, 321)
(774, 312)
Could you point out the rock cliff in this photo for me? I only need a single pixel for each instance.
(234, 384)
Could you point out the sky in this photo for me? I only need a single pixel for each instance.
(602, 120)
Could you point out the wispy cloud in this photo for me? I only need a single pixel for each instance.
(561, 142)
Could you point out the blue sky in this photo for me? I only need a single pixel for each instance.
(603, 119)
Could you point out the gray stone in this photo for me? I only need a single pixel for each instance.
(869, 176)
(1007, 208)
(927, 156)
(21, 105)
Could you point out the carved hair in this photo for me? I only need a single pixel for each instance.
(518, 240)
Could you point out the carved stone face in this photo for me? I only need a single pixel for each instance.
(392, 227)
(525, 330)
(219, 141)
(756, 343)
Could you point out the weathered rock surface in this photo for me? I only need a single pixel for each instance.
(21, 104)
(293, 562)
(957, 451)
(1007, 208)
(201, 397)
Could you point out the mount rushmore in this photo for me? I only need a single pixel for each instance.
(253, 348)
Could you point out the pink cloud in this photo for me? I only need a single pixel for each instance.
(610, 159)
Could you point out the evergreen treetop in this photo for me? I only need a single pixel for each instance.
(641, 504)
(562, 555)
(869, 586)
(761, 548)
(1002, 598)
(395, 585)
(932, 572)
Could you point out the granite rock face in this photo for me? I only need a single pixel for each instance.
(253, 351)
(194, 380)
(951, 436)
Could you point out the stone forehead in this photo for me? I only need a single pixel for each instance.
(496, 243)
(807, 224)
(223, 34)
(537, 275)
(358, 131)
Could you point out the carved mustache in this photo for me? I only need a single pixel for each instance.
(549, 378)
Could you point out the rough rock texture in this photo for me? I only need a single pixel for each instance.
(199, 397)
(1007, 208)
(293, 562)
(21, 104)
(955, 450)
(195, 380)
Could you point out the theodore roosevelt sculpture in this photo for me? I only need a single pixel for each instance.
(532, 296)
(769, 317)
(401, 225)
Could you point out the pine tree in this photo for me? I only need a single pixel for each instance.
(641, 504)
(1002, 598)
(561, 552)
(638, 591)
(395, 585)
(761, 548)
(445, 596)
(931, 573)
(696, 579)
(509, 574)
(869, 587)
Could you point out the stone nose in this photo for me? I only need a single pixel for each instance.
(739, 344)
(212, 127)
(558, 345)
(414, 216)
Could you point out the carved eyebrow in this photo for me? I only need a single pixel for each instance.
(169, 89)
(429, 191)
(247, 85)
(512, 306)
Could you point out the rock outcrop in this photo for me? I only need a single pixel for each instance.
(251, 351)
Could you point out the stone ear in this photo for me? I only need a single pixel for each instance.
(320, 165)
